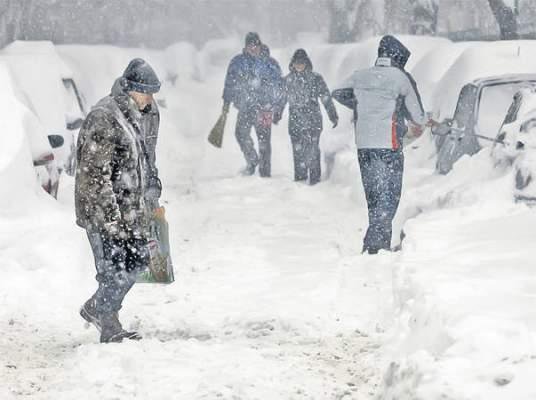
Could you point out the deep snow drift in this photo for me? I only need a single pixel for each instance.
(273, 299)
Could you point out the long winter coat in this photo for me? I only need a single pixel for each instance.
(149, 125)
(303, 90)
(112, 166)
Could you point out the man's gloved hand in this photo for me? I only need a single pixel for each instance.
(276, 117)
(154, 188)
(225, 108)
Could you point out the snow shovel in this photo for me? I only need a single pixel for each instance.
(216, 134)
(160, 266)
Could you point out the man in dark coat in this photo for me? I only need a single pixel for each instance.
(384, 99)
(249, 85)
(303, 90)
(112, 183)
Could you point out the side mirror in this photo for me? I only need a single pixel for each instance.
(56, 141)
(74, 125)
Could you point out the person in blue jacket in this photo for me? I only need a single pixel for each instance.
(253, 85)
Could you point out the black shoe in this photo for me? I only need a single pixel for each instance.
(89, 312)
(113, 332)
(369, 250)
(118, 337)
(249, 170)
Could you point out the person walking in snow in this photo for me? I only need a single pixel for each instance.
(303, 89)
(113, 178)
(252, 84)
(384, 99)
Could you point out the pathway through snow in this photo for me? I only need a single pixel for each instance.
(271, 302)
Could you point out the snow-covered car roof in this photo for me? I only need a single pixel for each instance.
(490, 80)
(492, 59)
(96, 67)
(431, 68)
(39, 49)
(18, 124)
(38, 71)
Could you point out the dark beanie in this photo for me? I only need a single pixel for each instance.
(252, 38)
(140, 77)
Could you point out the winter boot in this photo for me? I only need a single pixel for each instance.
(249, 169)
(113, 332)
(89, 312)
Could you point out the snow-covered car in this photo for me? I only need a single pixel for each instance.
(50, 92)
(22, 121)
(474, 95)
(516, 143)
(479, 113)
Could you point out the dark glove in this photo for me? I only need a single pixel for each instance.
(127, 254)
(154, 188)
(225, 108)
(277, 117)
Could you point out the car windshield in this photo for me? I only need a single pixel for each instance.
(73, 103)
(465, 106)
(495, 101)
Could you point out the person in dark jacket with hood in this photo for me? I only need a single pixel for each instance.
(303, 90)
(249, 85)
(384, 99)
(112, 182)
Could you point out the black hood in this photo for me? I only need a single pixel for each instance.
(392, 48)
(300, 57)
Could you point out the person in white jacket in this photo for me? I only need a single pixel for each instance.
(384, 99)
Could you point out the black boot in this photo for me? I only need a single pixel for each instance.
(112, 330)
(89, 312)
(249, 169)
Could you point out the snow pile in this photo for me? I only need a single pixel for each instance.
(463, 287)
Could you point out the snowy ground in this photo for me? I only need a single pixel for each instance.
(273, 299)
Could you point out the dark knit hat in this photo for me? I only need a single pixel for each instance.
(253, 38)
(140, 77)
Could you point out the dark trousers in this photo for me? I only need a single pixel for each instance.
(381, 172)
(118, 262)
(246, 120)
(306, 153)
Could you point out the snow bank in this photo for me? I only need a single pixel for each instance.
(466, 327)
